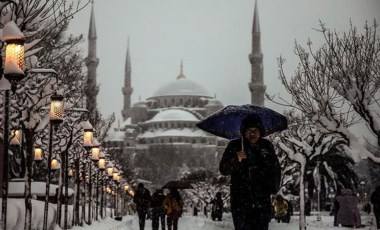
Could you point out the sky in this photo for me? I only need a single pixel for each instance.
(212, 37)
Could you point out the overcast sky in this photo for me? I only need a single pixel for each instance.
(213, 37)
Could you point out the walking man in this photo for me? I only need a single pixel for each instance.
(142, 201)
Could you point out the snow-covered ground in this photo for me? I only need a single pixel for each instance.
(196, 223)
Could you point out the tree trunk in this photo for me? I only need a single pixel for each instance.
(29, 135)
(302, 219)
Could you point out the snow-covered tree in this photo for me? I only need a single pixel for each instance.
(302, 143)
(337, 85)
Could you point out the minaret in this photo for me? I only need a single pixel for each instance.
(256, 86)
(127, 89)
(91, 89)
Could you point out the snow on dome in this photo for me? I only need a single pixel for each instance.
(116, 135)
(182, 133)
(181, 86)
(173, 115)
(214, 102)
(140, 104)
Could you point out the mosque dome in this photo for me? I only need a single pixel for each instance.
(214, 103)
(174, 115)
(181, 87)
(140, 104)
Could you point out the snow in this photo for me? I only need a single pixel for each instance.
(202, 223)
(186, 132)
(11, 31)
(16, 188)
(173, 115)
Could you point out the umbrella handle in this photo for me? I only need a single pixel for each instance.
(242, 144)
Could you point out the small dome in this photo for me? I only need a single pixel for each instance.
(214, 103)
(182, 87)
(116, 135)
(173, 115)
(140, 104)
(127, 122)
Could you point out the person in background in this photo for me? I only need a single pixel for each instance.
(289, 212)
(158, 212)
(348, 213)
(335, 207)
(375, 200)
(142, 201)
(217, 207)
(255, 173)
(173, 205)
(280, 209)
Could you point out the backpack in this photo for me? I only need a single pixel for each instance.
(176, 206)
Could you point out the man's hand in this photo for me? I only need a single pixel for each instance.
(241, 155)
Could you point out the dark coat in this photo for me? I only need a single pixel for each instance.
(254, 179)
(348, 213)
(142, 200)
(375, 199)
(157, 199)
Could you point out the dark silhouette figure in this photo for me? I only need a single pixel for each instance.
(375, 200)
(289, 212)
(348, 213)
(255, 175)
(195, 211)
(158, 212)
(217, 207)
(142, 201)
(335, 208)
(173, 205)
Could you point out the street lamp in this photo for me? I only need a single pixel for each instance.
(16, 135)
(13, 71)
(56, 118)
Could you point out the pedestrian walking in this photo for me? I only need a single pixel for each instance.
(280, 209)
(348, 213)
(255, 175)
(158, 213)
(217, 207)
(173, 205)
(375, 200)
(142, 201)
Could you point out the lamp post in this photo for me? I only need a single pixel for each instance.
(88, 137)
(56, 118)
(14, 72)
(95, 152)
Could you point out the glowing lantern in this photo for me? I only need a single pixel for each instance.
(37, 153)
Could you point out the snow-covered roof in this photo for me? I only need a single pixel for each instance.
(173, 133)
(180, 87)
(17, 188)
(127, 122)
(173, 115)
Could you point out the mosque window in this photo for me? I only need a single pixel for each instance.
(173, 101)
(194, 141)
(181, 101)
(165, 102)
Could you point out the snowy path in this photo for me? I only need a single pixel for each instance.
(199, 223)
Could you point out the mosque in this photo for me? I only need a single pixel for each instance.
(158, 135)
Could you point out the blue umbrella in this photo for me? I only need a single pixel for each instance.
(226, 122)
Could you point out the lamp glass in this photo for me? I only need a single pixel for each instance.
(15, 137)
(56, 109)
(37, 154)
(102, 164)
(55, 164)
(95, 153)
(88, 136)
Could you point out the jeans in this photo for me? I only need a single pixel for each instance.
(157, 214)
(254, 219)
